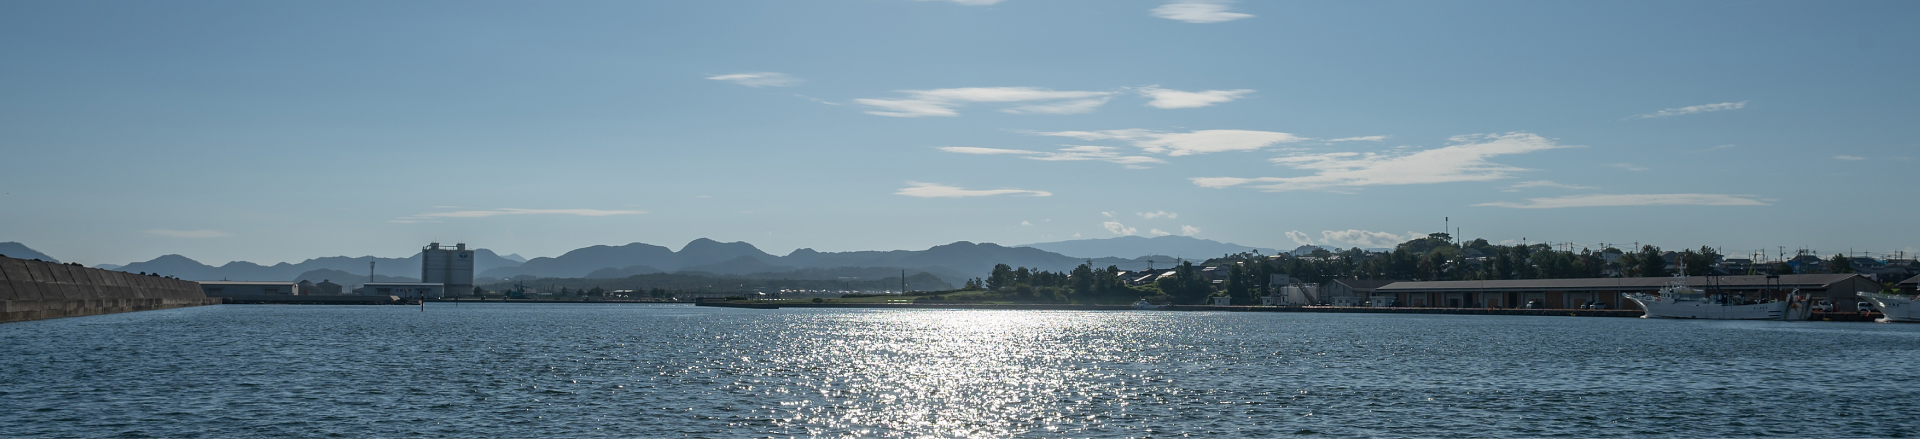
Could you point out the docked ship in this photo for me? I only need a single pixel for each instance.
(1895, 308)
(1679, 301)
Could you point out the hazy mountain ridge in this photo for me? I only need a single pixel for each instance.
(21, 251)
(953, 263)
(189, 269)
(1133, 246)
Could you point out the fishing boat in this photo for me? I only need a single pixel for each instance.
(1894, 307)
(1144, 304)
(1679, 301)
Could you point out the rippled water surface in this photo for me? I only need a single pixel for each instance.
(675, 370)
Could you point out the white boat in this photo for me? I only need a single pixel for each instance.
(1895, 308)
(1679, 301)
(1144, 304)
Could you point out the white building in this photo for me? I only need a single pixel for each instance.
(452, 267)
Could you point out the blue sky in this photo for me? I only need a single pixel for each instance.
(278, 131)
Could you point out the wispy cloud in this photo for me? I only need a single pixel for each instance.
(759, 79)
(1189, 230)
(970, 2)
(1158, 232)
(1365, 238)
(1169, 98)
(1300, 237)
(1605, 200)
(1848, 157)
(1198, 11)
(945, 101)
(1359, 139)
(1179, 144)
(1708, 108)
(1628, 166)
(936, 190)
(1159, 214)
(188, 233)
(514, 211)
(1516, 187)
(1467, 160)
(1119, 229)
(1071, 153)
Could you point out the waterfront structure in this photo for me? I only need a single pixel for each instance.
(34, 289)
(1355, 292)
(1842, 289)
(327, 287)
(452, 267)
(1910, 286)
(223, 288)
(408, 290)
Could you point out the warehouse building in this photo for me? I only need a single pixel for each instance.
(1842, 289)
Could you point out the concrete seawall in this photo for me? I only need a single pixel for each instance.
(31, 290)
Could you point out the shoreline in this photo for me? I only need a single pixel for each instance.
(1615, 313)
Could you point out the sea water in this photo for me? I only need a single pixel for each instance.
(622, 370)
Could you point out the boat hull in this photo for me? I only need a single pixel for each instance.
(1702, 310)
(1894, 308)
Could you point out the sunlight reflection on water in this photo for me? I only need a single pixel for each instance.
(626, 370)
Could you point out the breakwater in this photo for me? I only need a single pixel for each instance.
(31, 290)
(1305, 309)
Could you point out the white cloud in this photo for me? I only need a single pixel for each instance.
(1464, 161)
(1157, 232)
(1076, 106)
(936, 190)
(1169, 99)
(1189, 230)
(1071, 153)
(942, 102)
(1107, 214)
(1359, 139)
(1603, 200)
(1848, 157)
(1364, 238)
(1628, 166)
(188, 233)
(1299, 237)
(972, 2)
(759, 79)
(513, 211)
(1179, 144)
(1516, 187)
(1026, 223)
(1708, 108)
(1198, 11)
(1119, 229)
(1159, 214)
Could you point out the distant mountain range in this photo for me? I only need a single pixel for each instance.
(187, 268)
(20, 251)
(1130, 246)
(954, 263)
